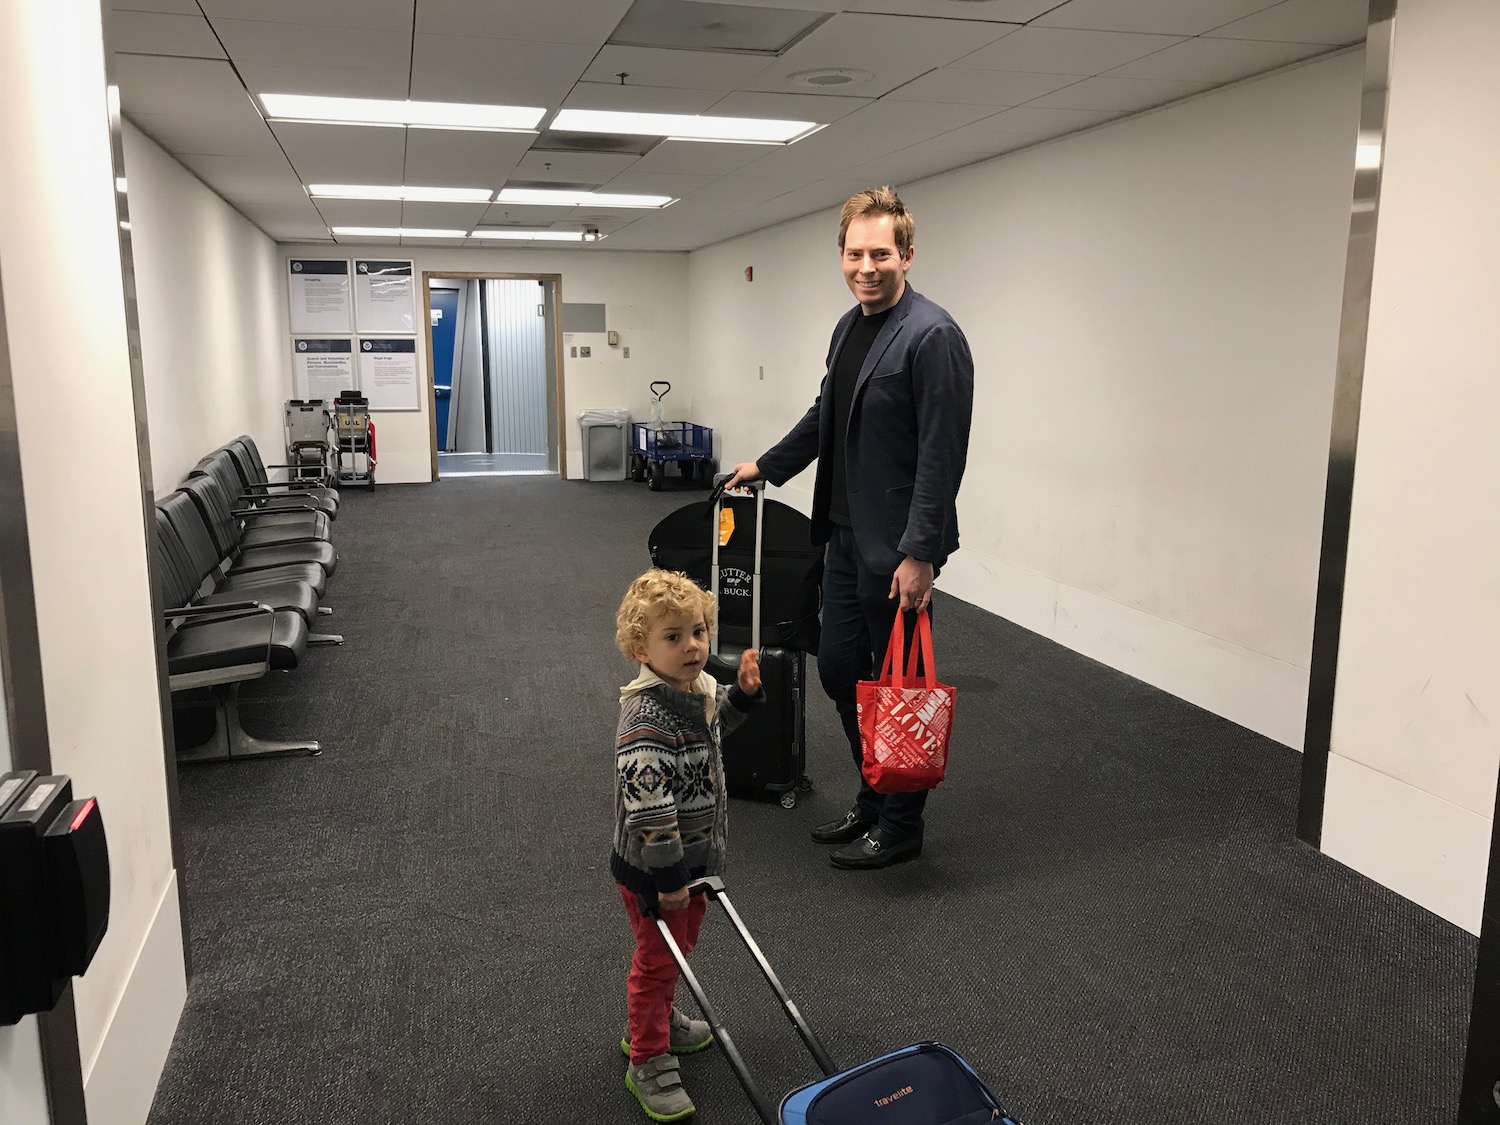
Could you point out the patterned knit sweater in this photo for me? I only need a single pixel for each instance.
(671, 809)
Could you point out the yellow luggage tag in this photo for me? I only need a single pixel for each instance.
(726, 525)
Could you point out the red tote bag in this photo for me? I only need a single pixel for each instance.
(905, 719)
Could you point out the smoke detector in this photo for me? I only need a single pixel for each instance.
(829, 77)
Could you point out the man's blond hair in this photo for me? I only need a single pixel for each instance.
(652, 596)
(880, 201)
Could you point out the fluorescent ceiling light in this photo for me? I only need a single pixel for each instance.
(681, 126)
(558, 197)
(415, 194)
(536, 235)
(376, 111)
(397, 232)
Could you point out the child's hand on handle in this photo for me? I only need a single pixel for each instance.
(750, 671)
(673, 900)
(742, 473)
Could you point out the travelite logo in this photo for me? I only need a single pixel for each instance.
(881, 1103)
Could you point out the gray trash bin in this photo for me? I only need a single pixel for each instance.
(606, 443)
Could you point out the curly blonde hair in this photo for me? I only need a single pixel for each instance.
(654, 595)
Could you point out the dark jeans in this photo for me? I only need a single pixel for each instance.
(858, 613)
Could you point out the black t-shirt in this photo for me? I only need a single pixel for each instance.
(846, 366)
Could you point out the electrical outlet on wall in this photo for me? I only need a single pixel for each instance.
(574, 353)
(585, 351)
(627, 351)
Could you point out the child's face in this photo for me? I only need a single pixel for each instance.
(675, 649)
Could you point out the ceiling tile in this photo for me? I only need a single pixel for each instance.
(697, 158)
(343, 154)
(981, 87)
(1061, 50)
(767, 181)
(375, 15)
(1002, 132)
(419, 242)
(442, 216)
(894, 49)
(328, 81)
(586, 22)
(1335, 22)
(284, 221)
(360, 212)
(806, 5)
(848, 142)
(157, 33)
(508, 214)
(1217, 60)
(693, 70)
(690, 26)
(822, 108)
(1039, 122)
(1156, 17)
(890, 113)
(228, 134)
(1011, 11)
(1119, 95)
(306, 45)
(582, 167)
(657, 183)
(502, 71)
(242, 176)
(157, 84)
(639, 99)
(458, 158)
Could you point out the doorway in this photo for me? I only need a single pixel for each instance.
(495, 355)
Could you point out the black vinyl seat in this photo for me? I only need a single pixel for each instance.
(188, 572)
(219, 647)
(256, 478)
(256, 548)
(251, 570)
(280, 515)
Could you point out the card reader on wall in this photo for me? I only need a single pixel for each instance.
(54, 890)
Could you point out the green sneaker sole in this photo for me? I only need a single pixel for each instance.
(630, 1085)
(688, 1050)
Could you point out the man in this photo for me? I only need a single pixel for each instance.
(890, 432)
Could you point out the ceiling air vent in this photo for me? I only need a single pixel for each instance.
(829, 77)
(554, 141)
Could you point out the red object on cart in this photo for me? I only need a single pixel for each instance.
(372, 445)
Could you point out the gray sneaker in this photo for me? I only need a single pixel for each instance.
(688, 1035)
(657, 1085)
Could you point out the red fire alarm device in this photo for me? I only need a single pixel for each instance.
(54, 884)
(749, 273)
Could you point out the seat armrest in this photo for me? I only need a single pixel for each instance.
(223, 609)
(266, 511)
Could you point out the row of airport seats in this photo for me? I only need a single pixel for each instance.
(242, 567)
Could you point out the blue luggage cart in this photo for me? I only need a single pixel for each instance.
(656, 443)
(923, 1084)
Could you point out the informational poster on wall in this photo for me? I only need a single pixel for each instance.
(388, 373)
(384, 297)
(320, 297)
(323, 367)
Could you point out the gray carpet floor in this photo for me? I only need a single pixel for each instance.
(1112, 919)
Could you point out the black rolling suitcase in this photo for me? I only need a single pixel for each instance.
(767, 754)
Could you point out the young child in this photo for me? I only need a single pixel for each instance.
(670, 815)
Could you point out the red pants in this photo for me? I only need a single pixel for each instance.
(652, 983)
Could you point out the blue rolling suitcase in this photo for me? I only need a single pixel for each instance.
(923, 1084)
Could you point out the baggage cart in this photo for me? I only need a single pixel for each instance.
(658, 443)
(355, 432)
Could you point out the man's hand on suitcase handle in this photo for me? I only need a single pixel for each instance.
(750, 671)
(743, 473)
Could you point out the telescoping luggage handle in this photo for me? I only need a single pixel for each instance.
(713, 887)
(716, 498)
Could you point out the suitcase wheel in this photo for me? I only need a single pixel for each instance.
(789, 799)
(804, 784)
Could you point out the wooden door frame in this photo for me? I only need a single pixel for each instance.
(429, 276)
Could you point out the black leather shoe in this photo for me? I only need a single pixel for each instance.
(851, 826)
(877, 848)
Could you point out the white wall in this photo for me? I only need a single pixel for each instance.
(1411, 784)
(645, 297)
(65, 314)
(213, 316)
(1153, 308)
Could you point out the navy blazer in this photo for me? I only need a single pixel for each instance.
(907, 440)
